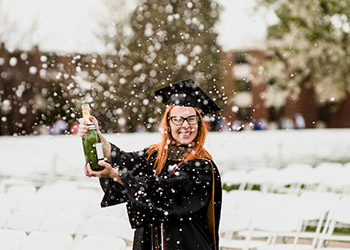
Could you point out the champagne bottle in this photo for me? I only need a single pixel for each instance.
(91, 142)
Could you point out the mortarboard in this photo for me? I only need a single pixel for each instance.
(187, 93)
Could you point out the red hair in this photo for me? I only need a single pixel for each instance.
(198, 150)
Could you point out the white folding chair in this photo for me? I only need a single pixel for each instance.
(27, 221)
(11, 239)
(4, 215)
(105, 226)
(300, 177)
(277, 223)
(234, 198)
(69, 166)
(51, 195)
(331, 176)
(34, 203)
(235, 177)
(22, 171)
(265, 204)
(264, 177)
(101, 242)
(64, 222)
(231, 224)
(325, 200)
(47, 240)
(346, 188)
(261, 203)
(15, 194)
(337, 216)
(76, 200)
(312, 212)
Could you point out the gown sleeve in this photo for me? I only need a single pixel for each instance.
(154, 199)
(114, 192)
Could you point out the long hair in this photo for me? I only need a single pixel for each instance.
(161, 149)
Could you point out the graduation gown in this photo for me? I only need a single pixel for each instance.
(170, 209)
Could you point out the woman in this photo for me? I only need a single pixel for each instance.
(173, 188)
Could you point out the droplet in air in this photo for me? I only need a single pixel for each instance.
(33, 70)
(13, 61)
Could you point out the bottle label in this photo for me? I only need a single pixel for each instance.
(99, 151)
(91, 126)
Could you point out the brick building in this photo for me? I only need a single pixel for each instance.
(246, 101)
(26, 79)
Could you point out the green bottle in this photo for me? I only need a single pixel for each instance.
(91, 142)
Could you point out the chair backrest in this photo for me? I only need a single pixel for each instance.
(340, 214)
(299, 173)
(263, 176)
(76, 200)
(62, 222)
(235, 177)
(274, 223)
(234, 198)
(103, 226)
(344, 202)
(323, 200)
(15, 194)
(101, 242)
(27, 221)
(4, 215)
(267, 202)
(331, 175)
(337, 216)
(47, 240)
(277, 222)
(234, 221)
(11, 239)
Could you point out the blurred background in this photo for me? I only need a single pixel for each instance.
(279, 70)
(270, 64)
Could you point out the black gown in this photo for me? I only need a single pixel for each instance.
(169, 209)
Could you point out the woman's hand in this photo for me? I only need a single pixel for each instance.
(83, 127)
(107, 172)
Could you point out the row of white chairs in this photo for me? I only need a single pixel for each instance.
(255, 201)
(74, 224)
(266, 216)
(294, 178)
(68, 224)
(38, 240)
(57, 197)
(62, 208)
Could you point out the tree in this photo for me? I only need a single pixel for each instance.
(58, 106)
(308, 47)
(172, 40)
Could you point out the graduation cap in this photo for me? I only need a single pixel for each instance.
(187, 93)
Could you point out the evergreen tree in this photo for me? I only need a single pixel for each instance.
(172, 40)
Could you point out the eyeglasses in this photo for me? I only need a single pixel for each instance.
(179, 120)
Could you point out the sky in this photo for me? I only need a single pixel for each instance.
(70, 25)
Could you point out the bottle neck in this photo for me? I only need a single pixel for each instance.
(86, 113)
